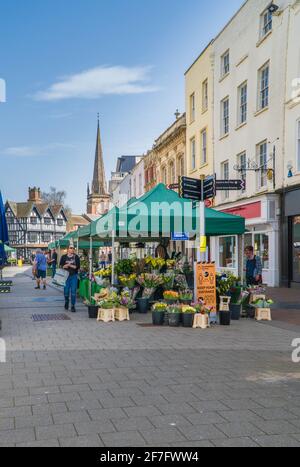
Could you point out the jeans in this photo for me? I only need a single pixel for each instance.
(53, 270)
(71, 286)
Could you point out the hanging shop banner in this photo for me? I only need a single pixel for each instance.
(206, 284)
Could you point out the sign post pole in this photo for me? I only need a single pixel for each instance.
(203, 244)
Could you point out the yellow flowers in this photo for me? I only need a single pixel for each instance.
(104, 272)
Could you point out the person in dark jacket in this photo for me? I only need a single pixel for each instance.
(253, 267)
(71, 263)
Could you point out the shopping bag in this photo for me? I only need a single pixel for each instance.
(60, 277)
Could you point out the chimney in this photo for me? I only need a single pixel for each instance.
(34, 194)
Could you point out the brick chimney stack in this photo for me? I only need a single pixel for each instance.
(34, 195)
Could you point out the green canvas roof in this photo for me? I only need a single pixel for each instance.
(159, 213)
(8, 249)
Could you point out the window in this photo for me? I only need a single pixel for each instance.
(140, 184)
(134, 187)
(203, 147)
(193, 154)
(243, 98)
(225, 64)
(164, 175)
(228, 252)
(60, 222)
(261, 248)
(225, 176)
(225, 117)
(298, 145)
(32, 237)
(242, 163)
(266, 23)
(47, 221)
(180, 164)
(33, 220)
(192, 108)
(264, 82)
(205, 96)
(262, 160)
(47, 237)
(172, 173)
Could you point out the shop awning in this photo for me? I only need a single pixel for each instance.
(158, 214)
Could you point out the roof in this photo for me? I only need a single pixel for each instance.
(23, 210)
(78, 219)
(126, 163)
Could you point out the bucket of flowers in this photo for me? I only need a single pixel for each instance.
(158, 313)
(186, 297)
(128, 281)
(149, 282)
(168, 280)
(174, 315)
(188, 314)
(171, 297)
(263, 309)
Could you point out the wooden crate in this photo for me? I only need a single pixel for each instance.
(122, 314)
(201, 321)
(225, 303)
(263, 314)
(254, 297)
(106, 316)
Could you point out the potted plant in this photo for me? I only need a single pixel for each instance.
(171, 297)
(186, 297)
(236, 303)
(149, 282)
(92, 310)
(174, 315)
(188, 314)
(158, 313)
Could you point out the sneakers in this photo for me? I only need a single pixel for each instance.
(73, 309)
(66, 305)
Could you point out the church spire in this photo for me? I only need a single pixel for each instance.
(99, 181)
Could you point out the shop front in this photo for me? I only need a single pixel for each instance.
(290, 274)
(262, 224)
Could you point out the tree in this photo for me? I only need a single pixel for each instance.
(54, 198)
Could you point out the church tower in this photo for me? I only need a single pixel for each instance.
(98, 198)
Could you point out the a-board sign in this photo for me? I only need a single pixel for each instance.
(206, 284)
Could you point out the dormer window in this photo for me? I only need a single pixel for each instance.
(33, 220)
(47, 221)
(60, 222)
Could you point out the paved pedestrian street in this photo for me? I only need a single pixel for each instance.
(80, 383)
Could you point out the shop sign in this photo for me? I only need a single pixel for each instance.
(206, 285)
(180, 237)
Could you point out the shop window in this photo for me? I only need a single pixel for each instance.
(228, 252)
(296, 248)
(261, 249)
(298, 145)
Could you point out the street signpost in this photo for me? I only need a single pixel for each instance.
(203, 190)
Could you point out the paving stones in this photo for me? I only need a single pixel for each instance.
(74, 384)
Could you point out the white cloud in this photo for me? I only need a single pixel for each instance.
(100, 81)
(33, 151)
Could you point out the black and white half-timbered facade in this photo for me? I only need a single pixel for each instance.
(34, 224)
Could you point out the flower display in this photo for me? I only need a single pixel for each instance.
(158, 307)
(128, 281)
(188, 310)
(156, 264)
(171, 295)
(104, 273)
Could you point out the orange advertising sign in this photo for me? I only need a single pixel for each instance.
(206, 284)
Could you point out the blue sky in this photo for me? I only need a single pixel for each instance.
(64, 61)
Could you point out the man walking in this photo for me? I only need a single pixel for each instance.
(53, 263)
(40, 266)
(71, 263)
(253, 267)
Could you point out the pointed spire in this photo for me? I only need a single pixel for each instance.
(99, 181)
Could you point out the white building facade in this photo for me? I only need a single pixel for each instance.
(132, 185)
(250, 76)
